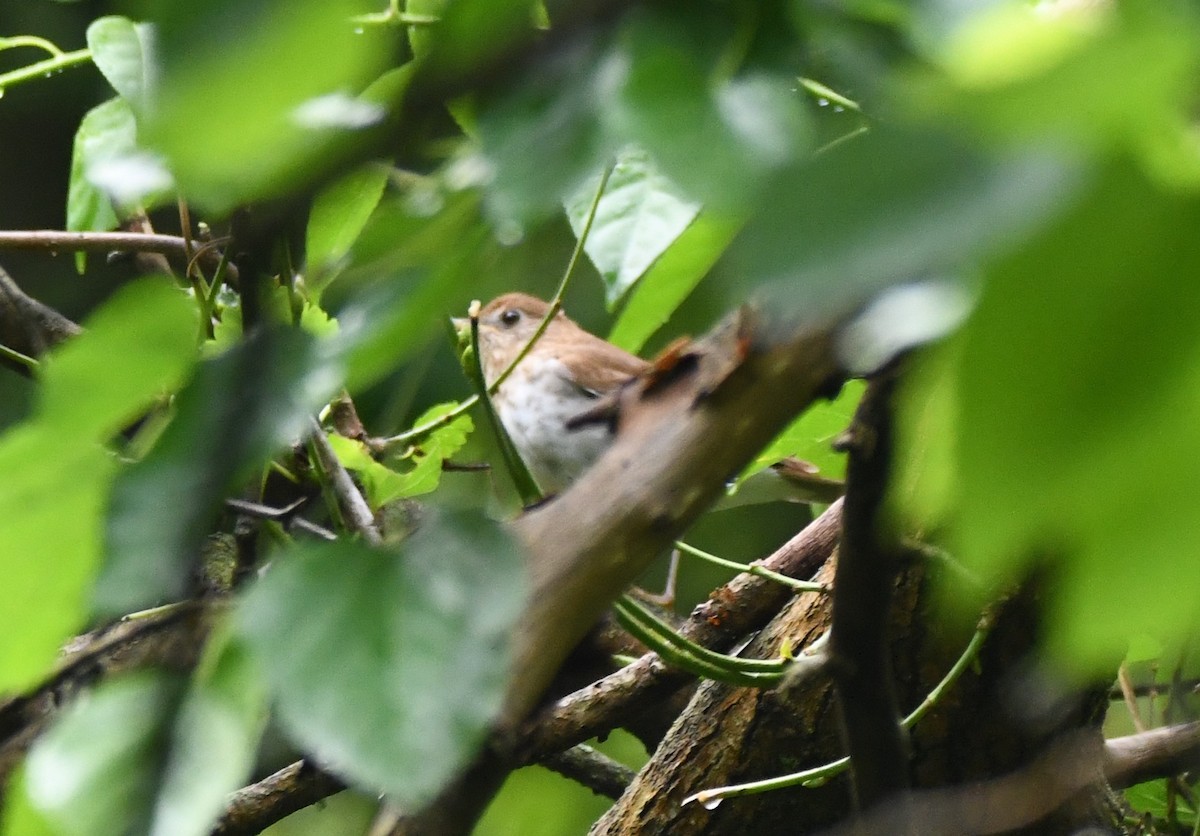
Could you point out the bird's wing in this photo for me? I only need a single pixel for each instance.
(600, 367)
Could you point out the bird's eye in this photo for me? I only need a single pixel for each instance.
(510, 316)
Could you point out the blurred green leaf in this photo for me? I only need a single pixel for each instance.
(715, 139)
(96, 769)
(404, 266)
(305, 65)
(53, 491)
(106, 131)
(1075, 432)
(124, 52)
(135, 349)
(892, 206)
(339, 214)
(238, 409)
(810, 436)
(140, 754)
(1010, 71)
(639, 216)
(672, 278)
(542, 138)
(389, 667)
(215, 740)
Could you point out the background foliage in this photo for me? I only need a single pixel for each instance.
(1040, 157)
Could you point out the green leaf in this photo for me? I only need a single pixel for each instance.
(672, 278)
(124, 52)
(215, 740)
(891, 206)
(54, 487)
(96, 769)
(419, 640)
(106, 131)
(304, 63)
(135, 349)
(554, 112)
(1151, 797)
(339, 214)
(1076, 434)
(140, 755)
(237, 411)
(1010, 70)
(716, 140)
(639, 216)
(383, 484)
(810, 436)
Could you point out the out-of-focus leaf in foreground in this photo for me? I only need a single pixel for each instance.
(58, 473)
(389, 666)
(305, 65)
(240, 407)
(1073, 398)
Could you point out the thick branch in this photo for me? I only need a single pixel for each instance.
(1151, 754)
(255, 808)
(28, 326)
(682, 432)
(741, 606)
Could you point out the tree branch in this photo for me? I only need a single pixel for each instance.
(1151, 754)
(54, 241)
(681, 432)
(868, 567)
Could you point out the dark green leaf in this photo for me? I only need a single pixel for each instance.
(639, 216)
(389, 667)
(543, 138)
(124, 52)
(239, 409)
(716, 140)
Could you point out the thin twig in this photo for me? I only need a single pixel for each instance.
(350, 499)
(54, 240)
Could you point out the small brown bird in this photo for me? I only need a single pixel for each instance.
(562, 376)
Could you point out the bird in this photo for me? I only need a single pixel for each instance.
(546, 403)
(566, 372)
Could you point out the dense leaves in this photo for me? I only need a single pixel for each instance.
(395, 165)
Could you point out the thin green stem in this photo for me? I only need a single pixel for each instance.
(526, 485)
(828, 94)
(44, 68)
(17, 41)
(17, 357)
(556, 301)
(752, 568)
(820, 774)
(681, 653)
